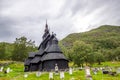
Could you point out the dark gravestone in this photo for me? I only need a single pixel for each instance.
(105, 72)
(112, 73)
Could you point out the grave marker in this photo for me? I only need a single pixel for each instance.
(88, 75)
(118, 71)
(70, 71)
(62, 75)
(1, 69)
(105, 72)
(8, 70)
(38, 74)
(25, 75)
(50, 76)
(95, 70)
(56, 69)
(81, 68)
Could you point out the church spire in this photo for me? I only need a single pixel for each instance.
(46, 31)
(46, 27)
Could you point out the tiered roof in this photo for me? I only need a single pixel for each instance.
(48, 49)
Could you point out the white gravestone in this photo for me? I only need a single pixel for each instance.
(38, 74)
(25, 75)
(81, 68)
(50, 75)
(8, 70)
(95, 72)
(62, 75)
(118, 71)
(101, 68)
(1, 69)
(87, 70)
(88, 75)
(70, 71)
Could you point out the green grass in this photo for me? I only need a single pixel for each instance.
(18, 74)
(110, 64)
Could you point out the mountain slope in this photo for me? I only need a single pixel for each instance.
(105, 36)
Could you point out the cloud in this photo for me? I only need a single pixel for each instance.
(27, 17)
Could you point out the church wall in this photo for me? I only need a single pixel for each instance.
(34, 67)
(50, 64)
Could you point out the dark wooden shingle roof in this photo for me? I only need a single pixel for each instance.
(27, 62)
(36, 59)
(40, 52)
(53, 47)
(51, 56)
(32, 54)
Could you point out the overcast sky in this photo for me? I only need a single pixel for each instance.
(28, 17)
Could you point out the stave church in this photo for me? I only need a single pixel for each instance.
(49, 54)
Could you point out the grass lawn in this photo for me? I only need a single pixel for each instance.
(18, 74)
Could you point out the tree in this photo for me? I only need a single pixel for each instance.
(21, 48)
(98, 57)
(82, 53)
(2, 50)
(67, 52)
(117, 53)
(90, 58)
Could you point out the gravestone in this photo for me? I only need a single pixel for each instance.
(105, 71)
(62, 75)
(50, 76)
(95, 70)
(38, 74)
(118, 71)
(8, 70)
(1, 69)
(56, 69)
(70, 71)
(25, 75)
(112, 73)
(110, 69)
(81, 68)
(101, 68)
(88, 75)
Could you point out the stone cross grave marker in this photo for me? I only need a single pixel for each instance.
(70, 71)
(50, 75)
(62, 75)
(56, 69)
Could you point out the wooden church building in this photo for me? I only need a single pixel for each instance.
(48, 56)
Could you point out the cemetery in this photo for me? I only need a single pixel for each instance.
(16, 72)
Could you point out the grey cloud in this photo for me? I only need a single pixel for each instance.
(62, 22)
(5, 25)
